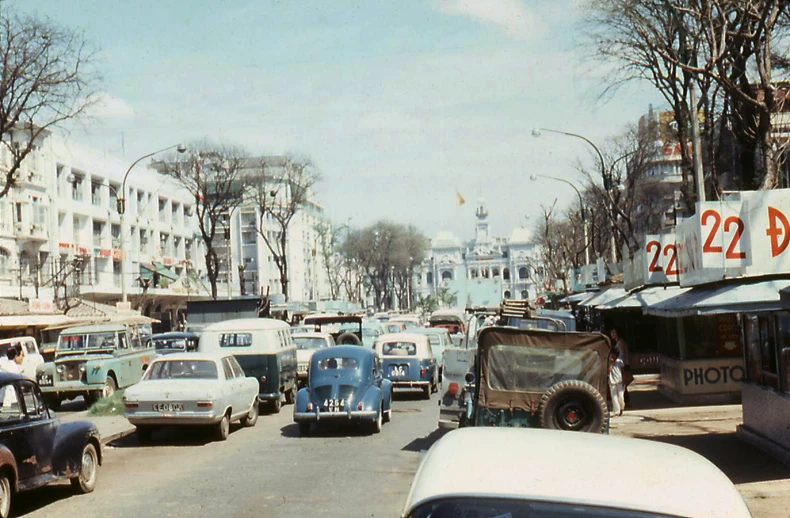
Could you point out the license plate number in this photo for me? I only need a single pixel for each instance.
(334, 405)
(168, 407)
(45, 381)
(302, 368)
(399, 371)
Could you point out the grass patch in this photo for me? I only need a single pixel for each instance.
(112, 405)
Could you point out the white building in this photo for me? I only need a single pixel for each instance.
(306, 271)
(60, 226)
(482, 271)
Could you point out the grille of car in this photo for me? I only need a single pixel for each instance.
(71, 371)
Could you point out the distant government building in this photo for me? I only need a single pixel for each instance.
(482, 271)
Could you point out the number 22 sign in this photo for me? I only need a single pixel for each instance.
(724, 235)
(661, 254)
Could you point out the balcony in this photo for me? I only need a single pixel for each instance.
(34, 232)
(31, 178)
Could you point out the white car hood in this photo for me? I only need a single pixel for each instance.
(175, 390)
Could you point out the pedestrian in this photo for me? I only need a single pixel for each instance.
(15, 358)
(616, 383)
(620, 345)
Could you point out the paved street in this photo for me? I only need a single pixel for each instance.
(267, 470)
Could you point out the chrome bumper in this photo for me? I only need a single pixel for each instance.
(274, 396)
(413, 384)
(174, 419)
(359, 415)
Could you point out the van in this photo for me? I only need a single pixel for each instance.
(265, 350)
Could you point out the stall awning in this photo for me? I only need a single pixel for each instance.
(644, 298)
(579, 297)
(730, 298)
(22, 321)
(603, 297)
(147, 271)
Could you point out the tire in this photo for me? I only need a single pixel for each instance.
(426, 392)
(5, 496)
(434, 387)
(223, 428)
(348, 339)
(276, 405)
(89, 470)
(573, 405)
(53, 403)
(290, 396)
(109, 388)
(252, 417)
(387, 415)
(375, 426)
(304, 429)
(144, 434)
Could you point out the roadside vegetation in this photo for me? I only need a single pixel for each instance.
(109, 406)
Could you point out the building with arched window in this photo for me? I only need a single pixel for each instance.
(484, 270)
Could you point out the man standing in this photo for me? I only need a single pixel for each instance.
(620, 345)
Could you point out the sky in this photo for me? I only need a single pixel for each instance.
(399, 104)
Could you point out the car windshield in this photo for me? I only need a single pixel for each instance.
(394, 328)
(178, 344)
(106, 340)
(304, 342)
(510, 508)
(399, 349)
(338, 364)
(182, 369)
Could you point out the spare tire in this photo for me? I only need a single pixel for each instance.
(573, 405)
(348, 339)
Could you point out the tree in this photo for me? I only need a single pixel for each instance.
(46, 80)
(560, 247)
(723, 47)
(214, 175)
(280, 190)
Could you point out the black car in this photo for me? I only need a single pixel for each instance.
(36, 448)
(175, 342)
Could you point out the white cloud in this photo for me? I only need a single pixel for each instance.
(512, 16)
(110, 107)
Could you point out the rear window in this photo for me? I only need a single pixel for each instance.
(304, 343)
(504, 507)
(338, 364)
(399, 349)
(235, 340)
(535, 369)
(182, 369)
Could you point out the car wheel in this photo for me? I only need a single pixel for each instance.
(426, 392)
(223, 428)
(252, 416)
(86, 481)
(434, 386)
(573, 405)
(109, 388)
(276, 405)
(290, 396)
(53, 402)
(144, 434)
(304, 429)
(5, 496)
(379, 419)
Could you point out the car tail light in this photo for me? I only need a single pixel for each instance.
(131, 404)
(263, 379)
(422, 371)
(309, 407)
(359, 406)
(205, 404)
(452, 389)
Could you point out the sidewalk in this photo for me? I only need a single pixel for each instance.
(110, 427)
(763, 481)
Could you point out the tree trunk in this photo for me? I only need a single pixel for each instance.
(212, 270)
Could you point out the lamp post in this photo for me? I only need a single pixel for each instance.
(607, 178)
(583, 213)
(121, 206)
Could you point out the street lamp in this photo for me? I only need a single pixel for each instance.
(121, 206)
(583, 213)
(607, 178)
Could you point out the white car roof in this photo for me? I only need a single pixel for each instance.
(247, 324)
(574, 467)
(325, 336)
(417, 338)
(211, 357)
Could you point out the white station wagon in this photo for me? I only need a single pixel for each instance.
(526, 472)
(189, 389)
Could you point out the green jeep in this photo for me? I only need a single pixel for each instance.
(93, 361)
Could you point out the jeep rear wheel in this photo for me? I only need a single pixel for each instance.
(5, 496)
(85, 482)
(573, 405)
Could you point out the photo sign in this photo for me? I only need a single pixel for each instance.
(746, 234)
(655, 263)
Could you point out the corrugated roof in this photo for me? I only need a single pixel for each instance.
(90, 310)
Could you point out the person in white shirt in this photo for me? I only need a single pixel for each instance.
(616, 383)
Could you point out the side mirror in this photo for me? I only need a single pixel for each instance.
(469, 378)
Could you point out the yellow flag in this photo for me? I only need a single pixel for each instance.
(461, 199)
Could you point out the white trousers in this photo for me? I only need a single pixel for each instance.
(618, 397)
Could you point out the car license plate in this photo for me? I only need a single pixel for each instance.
(399, 371)
(302, 368)
(168, 407)
(334, 405)
(45, 381)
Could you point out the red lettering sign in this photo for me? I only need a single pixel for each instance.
(776, 218)
(650, 247)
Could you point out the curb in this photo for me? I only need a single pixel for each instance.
(105, 440)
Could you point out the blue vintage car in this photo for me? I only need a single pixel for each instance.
(408, 361)
(345, 383)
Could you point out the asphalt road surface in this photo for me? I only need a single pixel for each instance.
(268, 470)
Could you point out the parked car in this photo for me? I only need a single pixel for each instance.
(192, 389)
(410, 321)
(394, 327)
(93, 361)
(33, 358)
(408, 361)
(440, 340)
(345, 383)
(36, 448)
(452, 320)
(265, 350)
(306, 345)
(170, 343)
(542, 379)
(345, 329)
(550, 473)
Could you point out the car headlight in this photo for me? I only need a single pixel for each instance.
(61, 369)
(83, 368)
